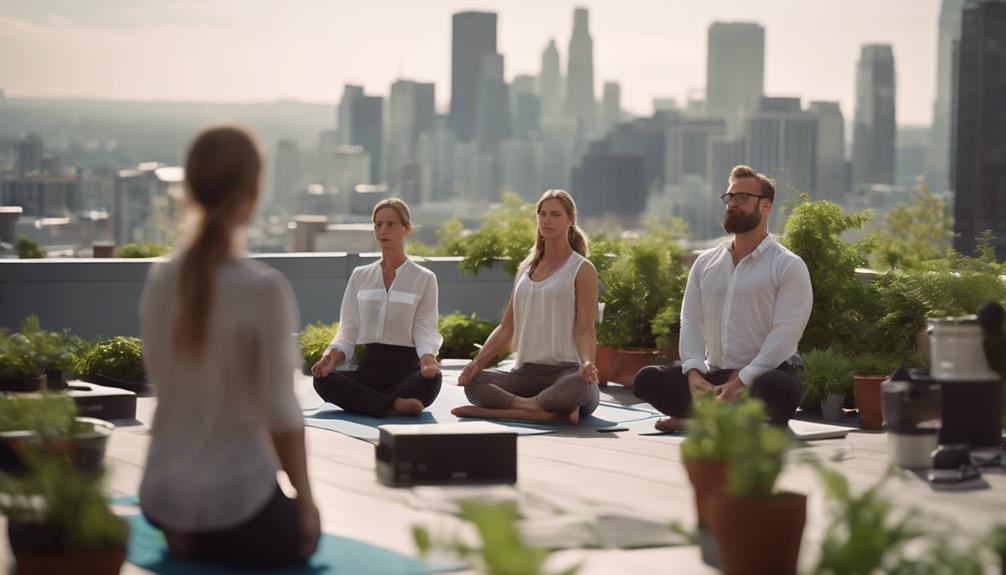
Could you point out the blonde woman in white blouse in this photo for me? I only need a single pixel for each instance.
(550, 322)
(391, 306)
(216, 341)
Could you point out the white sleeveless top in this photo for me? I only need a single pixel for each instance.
(544, 315)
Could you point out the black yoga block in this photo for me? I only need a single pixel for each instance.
(448, 453)
(108, 403)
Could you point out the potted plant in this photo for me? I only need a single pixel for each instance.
(21, 366)
(863, 534)
(55, 350)
(117, 362)
(997, 541)
(826, 378)
(49, 421)
(740, 516)
(645, 278)
(58, 520)
(704, 454)
(870, 371)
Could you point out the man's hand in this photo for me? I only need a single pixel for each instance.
(697, 384)
(470, 371)
(729, 390)
(428, 366)
(327, 363)
(588, 372)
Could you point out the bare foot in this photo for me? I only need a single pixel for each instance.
(669, 425)
(574, 416)
(407, 406)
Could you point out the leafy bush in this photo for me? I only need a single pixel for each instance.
(119, 358)
(144, 250)
(646, 277)
(50, 415)
(825, 372)
(710, 429)
(666, 326)
(314, 340)
(883, 363)
(19, 357)
(508, 232)
(54, 349)
(864, 535)
(73, 517)
(914, 232)
(28, 249)
(463, 335)
(841, 308)
(950, 287)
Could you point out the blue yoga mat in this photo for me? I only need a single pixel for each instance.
(335, 556)
(451, 396)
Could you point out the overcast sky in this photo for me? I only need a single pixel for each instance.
(254, 50)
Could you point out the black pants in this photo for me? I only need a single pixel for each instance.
(666, 388)
(271, 538)
(387, 372)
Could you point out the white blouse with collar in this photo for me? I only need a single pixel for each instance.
(404, 314)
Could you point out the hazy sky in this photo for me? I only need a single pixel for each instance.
(253, 50)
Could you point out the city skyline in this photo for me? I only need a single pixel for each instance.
(178, 48)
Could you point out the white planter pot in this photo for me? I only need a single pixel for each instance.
(831, 407)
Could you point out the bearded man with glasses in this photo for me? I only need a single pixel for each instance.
(746, 304)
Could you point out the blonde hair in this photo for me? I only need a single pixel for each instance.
(577, 239)
(221, 171)
(400, 207)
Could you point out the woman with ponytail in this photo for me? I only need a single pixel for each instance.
(216, 342)
(550, 322)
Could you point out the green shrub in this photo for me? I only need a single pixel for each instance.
(666, 326)
(507, 232)
(28, 249)
(50, 415)
(825, 372)
(119, 358)
(72, 503)
(55, 349)
(19, 357)
(841, 307)
(314, 340)
(710, 429)
(646, 277)
(144, 250)
(463, 335)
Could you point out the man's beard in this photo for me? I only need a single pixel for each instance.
(741, 222)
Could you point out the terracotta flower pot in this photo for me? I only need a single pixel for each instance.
(107, 562)
(759, 536)
(606, 360)
(868, 400)
(629, 362)
(709, 480)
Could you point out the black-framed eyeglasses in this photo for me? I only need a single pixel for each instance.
(739, 198)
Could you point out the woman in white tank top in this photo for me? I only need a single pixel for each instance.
(549, 321)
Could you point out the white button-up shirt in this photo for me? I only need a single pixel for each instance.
(749, 317)
(404, 314)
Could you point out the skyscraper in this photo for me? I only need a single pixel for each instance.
(29, 155)
(411, 113)
(367, 130)
(473, 36)
(735, 71)
(551, 81)
(345, 114)
(287, 170)
(688, 147)
(493, 121)
(980, 188)
(874, 127)
(832, 183)
(781, 141)
(938, 160)
(580, 101)
(612, 105)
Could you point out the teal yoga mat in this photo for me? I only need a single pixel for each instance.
(335, 556)
(451, 396)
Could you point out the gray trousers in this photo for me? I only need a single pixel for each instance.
(557, 388)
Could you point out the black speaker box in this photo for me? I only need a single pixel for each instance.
(106, 403)
(448, 453)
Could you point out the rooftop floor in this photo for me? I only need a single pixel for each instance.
(633, 475)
